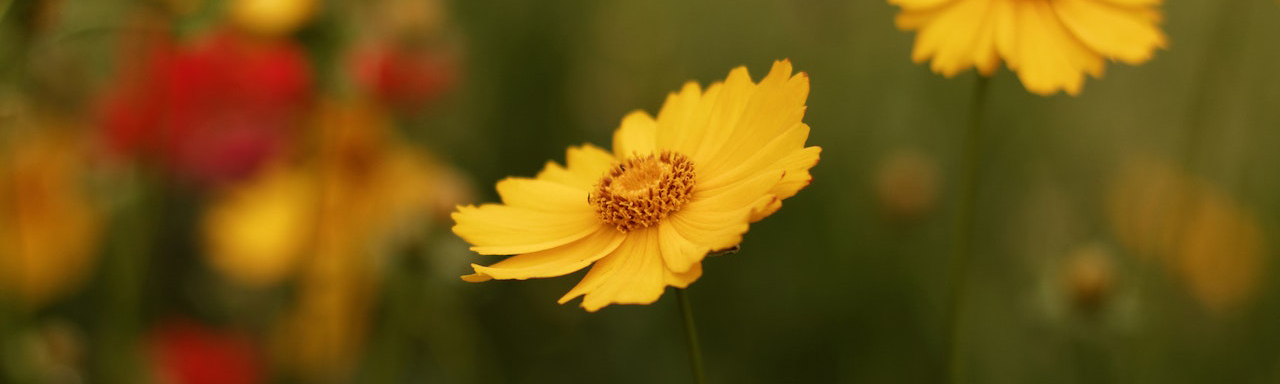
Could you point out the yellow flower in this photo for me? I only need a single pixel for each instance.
(674, 189)
(49, 227)
(1050, 43)
(1191, 227)
(257, 232)
(272, 17)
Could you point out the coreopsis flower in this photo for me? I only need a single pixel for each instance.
(673, 189)
(1051, 44)
(211, 112)
(49, 225)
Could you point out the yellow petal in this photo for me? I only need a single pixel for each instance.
(1120, 33)
(956, 37)
(678, 126)
(636, 135)
(766, 158)
(632, 274)
(683, 279)
(587, 164)
(796, 165)
(1049, 58)
(495, 229)
(543, 195)
(552, 262)
(678, 252)
(776, 105)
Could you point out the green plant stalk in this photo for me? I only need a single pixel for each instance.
(962, 243)
(691, 335)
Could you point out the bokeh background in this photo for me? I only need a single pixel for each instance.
(228, 191)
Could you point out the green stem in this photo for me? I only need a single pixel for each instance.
(962, 244)
(691, 335)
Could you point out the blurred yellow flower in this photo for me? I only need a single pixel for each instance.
(674, 189)
(371, 194)
(272, 17)
(256, 232)
(1051, 44)
(1192, 228)
(49, 228)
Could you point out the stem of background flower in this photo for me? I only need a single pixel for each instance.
(962, 242)
(691, 335)
(126, 264)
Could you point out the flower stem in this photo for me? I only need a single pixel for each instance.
(962, 244)
(691, 335)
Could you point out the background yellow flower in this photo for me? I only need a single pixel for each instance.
(1051, 44)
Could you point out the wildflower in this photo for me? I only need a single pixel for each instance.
(257, 231)
(1190, 227)
(49, 225)
(187, 352)
(210, 113)
(1051, 44)
(272, 17)
(674, 189)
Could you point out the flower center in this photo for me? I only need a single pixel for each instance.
(641, 190)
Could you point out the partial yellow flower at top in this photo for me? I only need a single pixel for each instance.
(674, 189)
(49, 226)
(272, 17)
(1051, 44)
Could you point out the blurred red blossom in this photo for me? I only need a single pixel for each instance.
(186, 352)
(405, 77)
(211, 111)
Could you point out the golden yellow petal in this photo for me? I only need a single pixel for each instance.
(777, 105)
(677, 127)
(553, 262)
(495, 229)
(586, 164)
(1049, 58)
(953, 36)
(683, 279)
(678, 252)
(543, 195)
(1119, 33)
(797, 176)
(765, 159)
(632, 274)
(636, 135)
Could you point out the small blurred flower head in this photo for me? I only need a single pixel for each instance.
(1051, 44)
(906, 184)
(1089, 278)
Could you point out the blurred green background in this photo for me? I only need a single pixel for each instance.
(1080, 272)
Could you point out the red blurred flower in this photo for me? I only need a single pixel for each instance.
(406, 78)
(185, 352)
(212, 111)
